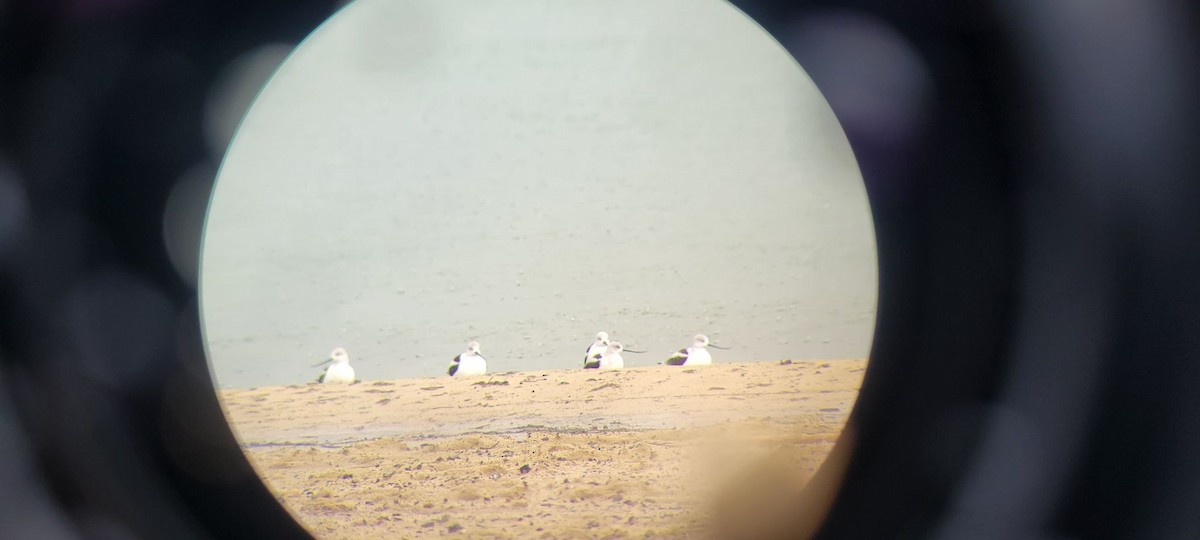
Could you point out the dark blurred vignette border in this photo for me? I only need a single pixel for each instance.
(1031, 170)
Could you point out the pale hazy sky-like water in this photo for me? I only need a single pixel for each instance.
(418, 174)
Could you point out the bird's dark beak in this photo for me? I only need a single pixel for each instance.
(327, 360)
(632, 351)
(718, 347)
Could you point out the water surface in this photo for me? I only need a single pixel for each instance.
(419, 174)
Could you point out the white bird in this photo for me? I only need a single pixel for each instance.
(611, 357)
(696, 355)
(597, 347)
(339, 370)
(468, 363)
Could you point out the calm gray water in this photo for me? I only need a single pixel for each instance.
(418, 174)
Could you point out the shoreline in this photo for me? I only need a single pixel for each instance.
(640, 452)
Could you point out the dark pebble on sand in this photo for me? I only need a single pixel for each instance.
(524, 469)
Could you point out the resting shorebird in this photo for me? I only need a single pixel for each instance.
(611, 357)
(339, 371)
(468, 363)
(597, 347)
(696, 355)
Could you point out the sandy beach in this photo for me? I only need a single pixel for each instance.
(638, 453)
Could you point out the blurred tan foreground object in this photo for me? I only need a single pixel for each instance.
(773, 500)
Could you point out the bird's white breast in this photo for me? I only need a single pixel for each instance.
(471, 365)
(698, 357)
(339, 373)
(612, 362)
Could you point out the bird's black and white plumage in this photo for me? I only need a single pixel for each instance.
(339, 370)
(468, 363)
(611, 357)
(591, 358)
(696, 355)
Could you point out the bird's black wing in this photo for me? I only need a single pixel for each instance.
(453, 367)
(593, 362)
(678, 359)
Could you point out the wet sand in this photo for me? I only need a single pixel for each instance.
(637, 453)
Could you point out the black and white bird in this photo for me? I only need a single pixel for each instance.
(611, 357)
(696, 355)
(597, 347)
(339, 370)
(468, 363)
